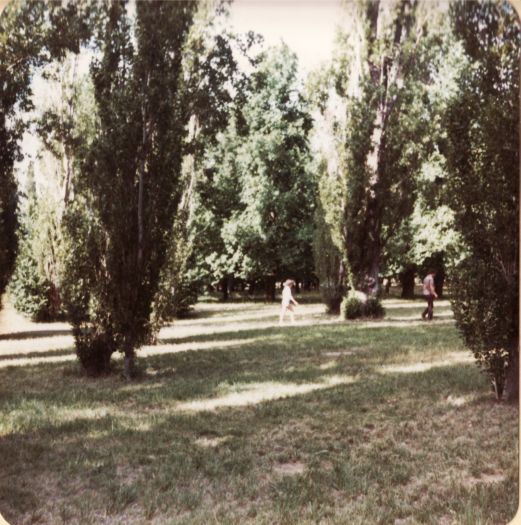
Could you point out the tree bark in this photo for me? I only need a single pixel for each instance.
(439, 280)
(144, 144)
(407, 281)
(224, 288)
(270, 288)
(511, 391)
(67, 150)
(129, 364)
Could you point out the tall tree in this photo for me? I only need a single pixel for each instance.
(269, 234)
(58, 111)
(482, 152)
(380, 74)
(215, 86)
(30, 290)
(28, 40)
(129, 179)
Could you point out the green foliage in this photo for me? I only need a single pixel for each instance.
(130, 179)
(486, 310)
(373, 308)
(29, 291)
(328, 263)
(28, 39)
(379, 73)
(215, 91)
(272, 227)
(58, 126)
(32, 288)
(256, 198)
(351, 307)
(178, 287)
(482, 152)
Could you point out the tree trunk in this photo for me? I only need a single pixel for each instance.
(270, 288)
(224, 288)
(407, 281)
(439, 280)
(511, 392)
(67, 150)
(231, 284)
(374, 275)
(129, 364)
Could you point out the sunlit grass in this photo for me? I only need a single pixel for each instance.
(253, 393)
(237, 420)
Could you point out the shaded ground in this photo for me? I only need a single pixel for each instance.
(238, 420)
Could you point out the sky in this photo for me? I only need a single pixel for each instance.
(307, 26)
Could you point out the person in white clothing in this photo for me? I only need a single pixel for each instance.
(430, 294)
(287, 300)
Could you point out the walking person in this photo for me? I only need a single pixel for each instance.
(430, 294)
(287, 300)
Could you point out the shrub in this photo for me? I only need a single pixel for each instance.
(373, 308)
(29, 291)
(332, 298)
(33, 288)
(486, 312)
(328, 261)
(351, 307)
(185, 297)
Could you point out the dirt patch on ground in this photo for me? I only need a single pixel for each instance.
(290, 469)
(470, 481)
(206, 442)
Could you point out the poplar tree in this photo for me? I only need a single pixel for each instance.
(129, 181)
(380, 71)
(482, 157)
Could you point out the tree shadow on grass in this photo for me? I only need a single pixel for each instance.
(312, 332)
(174, 457)
(138, 445)
(34, 355)
(32, 334)
(291, 354)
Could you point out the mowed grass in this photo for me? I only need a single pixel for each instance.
(236, 420)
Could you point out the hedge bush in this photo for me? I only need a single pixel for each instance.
(28, 290)
(486, 313)
(353, 307)
(374, 308)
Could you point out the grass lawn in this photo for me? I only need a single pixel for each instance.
(237, 420)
